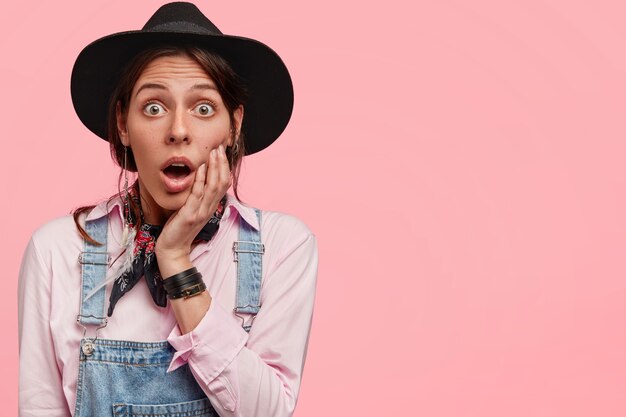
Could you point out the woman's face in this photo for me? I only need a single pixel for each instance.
(175, 118)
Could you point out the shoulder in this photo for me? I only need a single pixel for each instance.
(62, 233)
(274, 225)
(274, 222)
(284, 234)
(59, 235)
(57, 229)
(291, 252)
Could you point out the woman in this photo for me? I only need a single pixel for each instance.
(172, 298)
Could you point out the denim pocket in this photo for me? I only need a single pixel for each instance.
(196, 408)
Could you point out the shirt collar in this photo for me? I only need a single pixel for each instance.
(115, 204)
(106, 207)
(247, 213)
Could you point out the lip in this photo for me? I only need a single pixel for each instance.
(176, 185)
(178, 160)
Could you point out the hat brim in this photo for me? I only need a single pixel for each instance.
(97, 71)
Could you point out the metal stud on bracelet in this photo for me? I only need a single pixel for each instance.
(189, 291)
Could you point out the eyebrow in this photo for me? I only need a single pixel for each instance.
(150, 85)
(204, 86)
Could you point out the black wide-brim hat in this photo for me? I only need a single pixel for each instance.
(98, 68)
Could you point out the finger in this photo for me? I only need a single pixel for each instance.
(224, 170)
(213, 172)
(197, 190)
(212, 177)
(198, 184)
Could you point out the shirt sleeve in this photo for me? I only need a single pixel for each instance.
(257, 374)
(40, 384)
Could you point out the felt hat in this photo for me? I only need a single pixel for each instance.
(97, 71)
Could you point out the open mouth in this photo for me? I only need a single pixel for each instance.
(177, 174)
(177, 171)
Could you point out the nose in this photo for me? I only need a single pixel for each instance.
(179, 131)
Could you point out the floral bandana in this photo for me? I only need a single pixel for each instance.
(142, 259)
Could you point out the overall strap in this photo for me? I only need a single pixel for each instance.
(248, 253)
(94, 261)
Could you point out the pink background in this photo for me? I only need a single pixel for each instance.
(460, 162)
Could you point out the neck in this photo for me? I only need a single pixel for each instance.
(152, 212)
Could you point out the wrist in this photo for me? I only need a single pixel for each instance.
(171, 265)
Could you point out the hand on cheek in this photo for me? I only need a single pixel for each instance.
(211, 182)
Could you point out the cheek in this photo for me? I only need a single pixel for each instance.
(210, 138)
(143, 150)
(142, 137)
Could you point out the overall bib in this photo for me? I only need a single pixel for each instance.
(127, 378)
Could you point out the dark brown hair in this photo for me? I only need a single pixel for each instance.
(229, 86)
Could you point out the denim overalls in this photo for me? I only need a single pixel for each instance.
(126, 378)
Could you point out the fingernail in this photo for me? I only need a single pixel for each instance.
(221, 148)
(213, 153)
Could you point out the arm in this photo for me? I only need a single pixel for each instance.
(257, 374)
(40, 385)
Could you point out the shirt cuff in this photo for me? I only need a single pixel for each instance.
(211, 345)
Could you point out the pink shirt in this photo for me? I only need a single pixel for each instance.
(243, 374)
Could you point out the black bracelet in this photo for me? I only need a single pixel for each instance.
(170, 285)
(184, 273)
(185, 282)
(172, 282)
(189, 291)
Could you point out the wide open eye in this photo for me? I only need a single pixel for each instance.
(153, 109)
(204, 109)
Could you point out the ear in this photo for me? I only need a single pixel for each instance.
(237, 121)
(122, 129)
